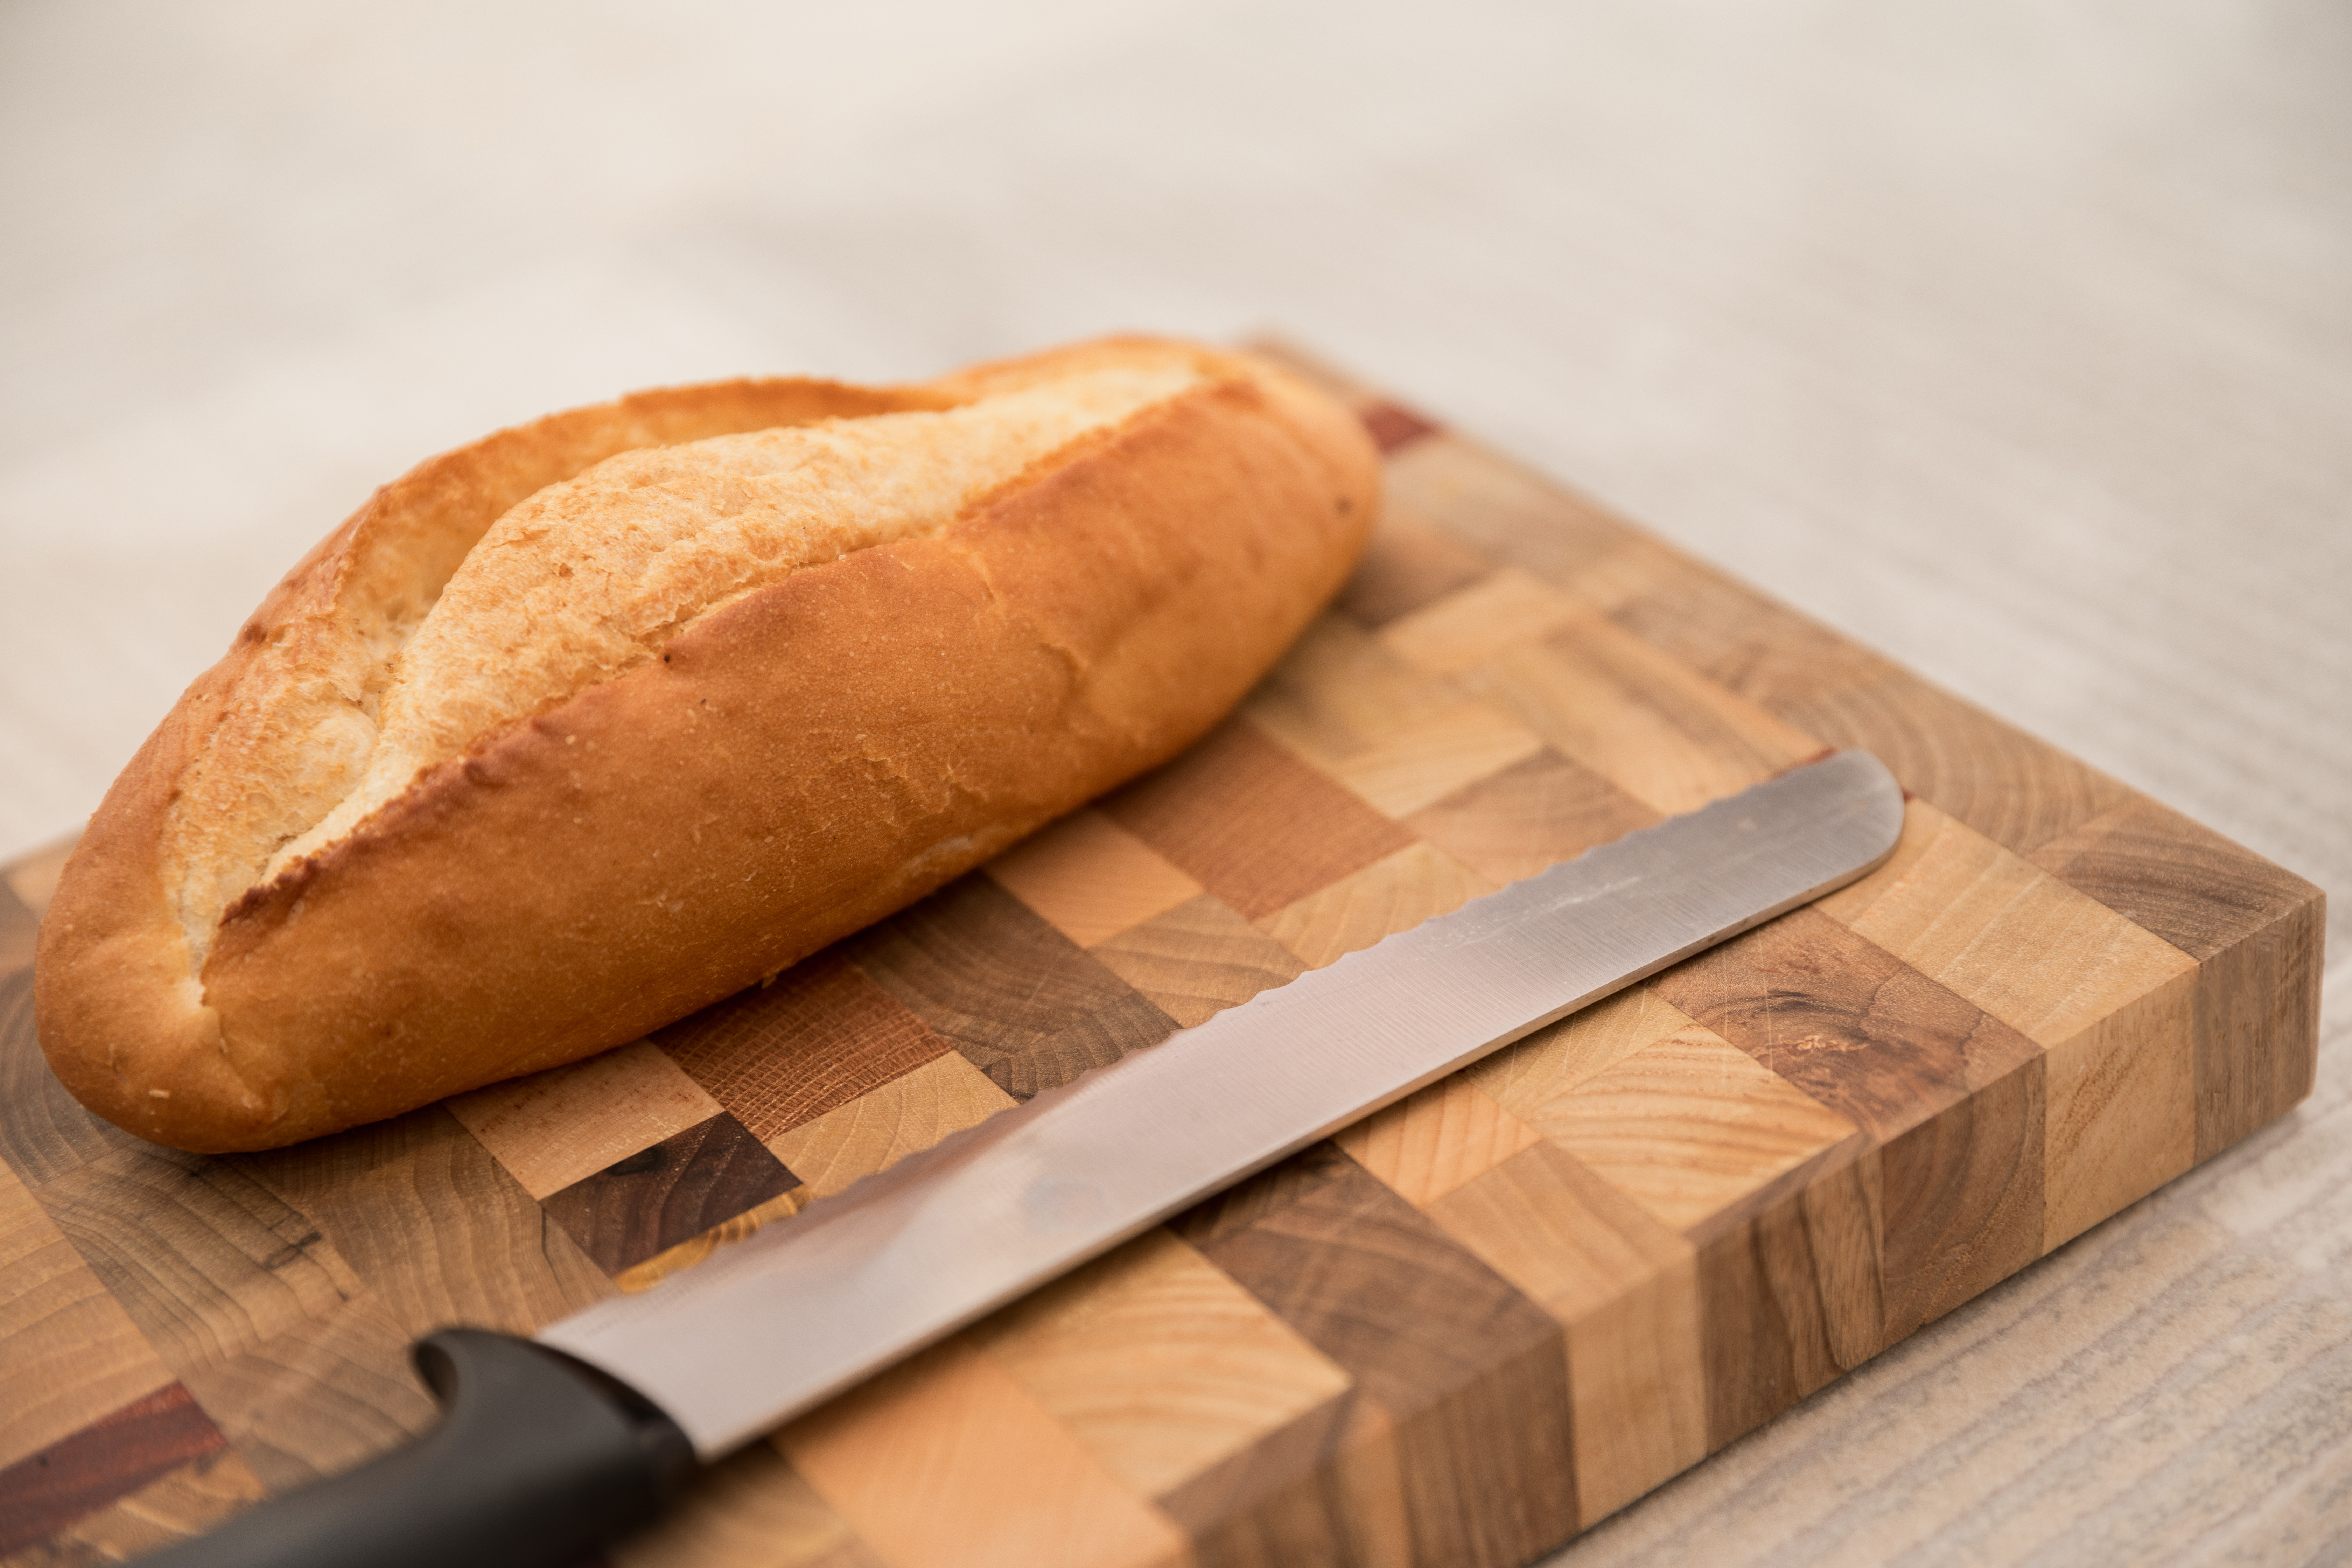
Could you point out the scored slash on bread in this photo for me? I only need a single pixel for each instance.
(574, 730)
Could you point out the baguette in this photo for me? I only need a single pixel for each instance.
(569, 733)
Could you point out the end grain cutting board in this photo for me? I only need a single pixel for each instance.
(1458, 1334)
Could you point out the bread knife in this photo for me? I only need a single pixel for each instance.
(549, 1447)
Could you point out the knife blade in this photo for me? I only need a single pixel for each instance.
(709, 1360)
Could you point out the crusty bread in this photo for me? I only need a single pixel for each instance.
(571, 732)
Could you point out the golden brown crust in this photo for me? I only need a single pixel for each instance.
(672, 833)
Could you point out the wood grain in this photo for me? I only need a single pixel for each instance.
(68, 1352)
(1090, 879)
(19, 922)
(1526, 1077)
(947, 1463)
(1252, 824)
(208, 1261)
(555, 1127)
(1426, 761)
(1325, 1487)
(1393, 894)
(818, 1037)
(699, 1246)
(750, 1510)
(1955, 1097)
(1469, 1327)
(180, 1502)
(1159, 1363)
(1719, 627)
(1024, 1002)
(1845, 1021)
(876, 1131)
(1483, 619)
(2008, 786)
(118, 1454)
(1690, 1127)
(1654, 729)
(670, 1193)
(1197, 959)
(1340, 690)
(1626, 1286)
(44, 1132)
(2255, 931)
(1790, 1298)
(1534, 814)
(1309, 1239)
(1500, 509)
(1429, 1143)
(2112, 1003)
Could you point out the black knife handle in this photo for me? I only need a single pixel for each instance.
(538, 1460)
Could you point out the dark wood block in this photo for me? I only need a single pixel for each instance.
(1392, 425)
(2167, 874)
(1024, 1004)
(1853, 1027)
(675, 1190)
(2256, 930)
(1964, 1199)
(1378, 1287)
(1274, 1504)
(2257, 1005)
(1791, 1298)
(110, 1458)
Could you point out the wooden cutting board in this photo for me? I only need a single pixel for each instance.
(1458, 1334)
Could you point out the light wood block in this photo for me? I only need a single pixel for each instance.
(1442, 755)
(68, 1352)
(1651, 727)
(1472, 624)
(1159, 1363)
(876, 1131)
(553, 1128)
(1091, 878)
(1429, 1143)
(1388, 896)
(1689, 1126)
(1626, 1286)
(752, 1510)
(947, 1463)
(1198, 959)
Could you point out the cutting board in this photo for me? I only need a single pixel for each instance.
(1461, 1331)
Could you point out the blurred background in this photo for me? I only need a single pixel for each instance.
(2014, 340)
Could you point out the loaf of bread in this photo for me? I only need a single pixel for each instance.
(569, 733)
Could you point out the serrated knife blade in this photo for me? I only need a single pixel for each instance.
(809, 1306)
